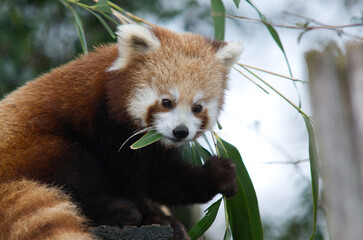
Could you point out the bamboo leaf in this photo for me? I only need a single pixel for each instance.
(276, 91)
(301, 35)
(237, 2)
(313, 156)
(206, 221)
(102, 6)
(273, 33)
(269, 72)
(251, 80)
(227, 234)
(105, 25)
(218, 12)
(80, 30)
(110, 19)
(196, 153)
(219, 125)
(189, 155)
(243, 211)
(149, 138)
(211, 150)
(276, 38)
(203, 153)
(79, 27)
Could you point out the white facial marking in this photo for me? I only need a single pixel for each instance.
(175, 93)
(141, 100)
(213, 111)
(166, 122)
(198, 97)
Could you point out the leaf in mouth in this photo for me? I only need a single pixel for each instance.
(149, 138)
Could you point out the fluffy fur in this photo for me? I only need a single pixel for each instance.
(66, 128)
(33, 211)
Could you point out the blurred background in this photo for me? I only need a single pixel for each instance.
(36, 36)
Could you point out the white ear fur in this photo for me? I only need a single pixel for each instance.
(133, 39)
(228, 54)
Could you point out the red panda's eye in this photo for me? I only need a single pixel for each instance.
(197, 109)
(167, 103)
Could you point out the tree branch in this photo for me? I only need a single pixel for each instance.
(306, 26)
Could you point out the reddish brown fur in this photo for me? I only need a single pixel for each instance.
(204, 117)
(155, 108)
(28, 150)
(45, 104)
(210, 77)
(33, 211)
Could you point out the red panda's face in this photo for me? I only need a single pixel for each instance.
(177, 118)
(176, 81)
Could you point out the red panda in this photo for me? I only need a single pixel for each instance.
(61, 166)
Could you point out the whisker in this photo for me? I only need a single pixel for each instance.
(136, 133)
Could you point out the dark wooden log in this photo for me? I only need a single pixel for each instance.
(148, 232)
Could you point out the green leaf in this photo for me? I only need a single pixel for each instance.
(110, 19)
(149, 138)
(276, 38)
(219, 125)
(237, 2)
(206, 221)
(102, 6)
(79, 27)
(105, 25)
(80, 31)
(211, 150)
(195, 153)
(301, 35)
(227, 234)
(242, 209)
(189, 154)
(203, 153)
(218, 12)
(313, 156)
(273, 33)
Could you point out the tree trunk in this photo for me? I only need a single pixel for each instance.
(337, 101)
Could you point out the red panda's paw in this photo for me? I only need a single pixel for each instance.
(122, 213)
(179, 231)
(222, 176)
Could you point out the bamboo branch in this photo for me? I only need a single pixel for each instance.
(276, 91)
(258, 85)
(272, 73)
(297, 27)
(305, 27)
(130, 15)
(284, 162)
(337, 28)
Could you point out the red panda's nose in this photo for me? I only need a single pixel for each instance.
(181, 131)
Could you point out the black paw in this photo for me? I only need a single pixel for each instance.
(222, 175)
(119, 212)
(179, 231)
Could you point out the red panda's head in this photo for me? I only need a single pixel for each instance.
(171, 82)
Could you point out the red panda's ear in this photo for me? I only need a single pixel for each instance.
(133, 39)
(229, 53)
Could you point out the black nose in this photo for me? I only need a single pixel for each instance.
(181, 131)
